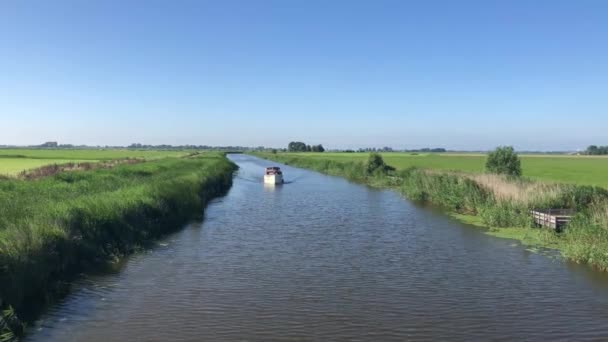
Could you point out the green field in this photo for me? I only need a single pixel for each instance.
(95, 154)
(12, 166)
(584, 170)
(13, 161)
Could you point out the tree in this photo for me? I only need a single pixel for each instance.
(50, 144)
(596, 150)
(296, 146)
(592, 150)
(318, 148)
(503, 160)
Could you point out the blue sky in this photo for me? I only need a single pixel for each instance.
(458, 74)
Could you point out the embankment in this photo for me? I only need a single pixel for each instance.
(56, 226)
(499, 203)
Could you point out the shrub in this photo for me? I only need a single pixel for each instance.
(503, 160)
(580, 197)
(505, 214)
(375, 165)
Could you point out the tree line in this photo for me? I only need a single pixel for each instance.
(597, 150)
(139, 146)
(390, 149)
(298, 146)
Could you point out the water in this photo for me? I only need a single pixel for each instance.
(323, 259)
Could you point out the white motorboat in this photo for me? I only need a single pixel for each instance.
(273, 175)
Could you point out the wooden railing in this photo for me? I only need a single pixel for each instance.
(552, 218)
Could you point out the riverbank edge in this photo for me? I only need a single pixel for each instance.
(527, 236)
(213, 185)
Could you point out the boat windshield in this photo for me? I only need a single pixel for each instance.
(273, 170)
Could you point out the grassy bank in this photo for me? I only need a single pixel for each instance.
(54, 226)
(499, 203)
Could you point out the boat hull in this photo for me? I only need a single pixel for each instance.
(273, 179)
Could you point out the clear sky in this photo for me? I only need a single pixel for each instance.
(455, 74)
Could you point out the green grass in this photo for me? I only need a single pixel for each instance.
(12, 166)
(13, 161)
(583, 170)
(89, 154)
(57, 225)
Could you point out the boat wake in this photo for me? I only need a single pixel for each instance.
(250, 179)
(295, 180)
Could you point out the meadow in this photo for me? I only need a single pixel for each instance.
(13, 161)
(13, 166)
(51, 227)
(570, 169)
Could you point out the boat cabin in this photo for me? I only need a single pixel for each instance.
(273, 170)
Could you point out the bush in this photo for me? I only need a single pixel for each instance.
(503, 160)
(505, 214)
(375, 165)
(581, 197)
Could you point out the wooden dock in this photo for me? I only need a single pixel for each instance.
(552, 218)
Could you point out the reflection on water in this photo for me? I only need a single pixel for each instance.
(322, 259)
(272, 187)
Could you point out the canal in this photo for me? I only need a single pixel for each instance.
(320, 258)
